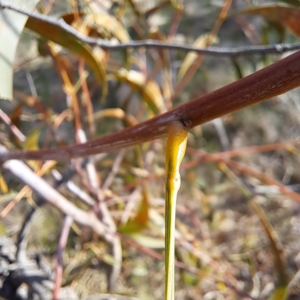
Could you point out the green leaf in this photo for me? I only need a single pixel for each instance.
(11, 26)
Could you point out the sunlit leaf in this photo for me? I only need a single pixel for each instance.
(3, 186)
(147, 241)
(177, 4)
(148, 89)
(59, 36)
(32, 141)
(103, 26)
(201, 42)
(117, 113)
(279, 294)
(288, 15)
(139, 222)
(11, 26)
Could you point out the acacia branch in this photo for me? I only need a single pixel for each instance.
(107, 45)
(269, 82)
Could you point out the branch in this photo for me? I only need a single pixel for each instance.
(276, 79)
(215, 51)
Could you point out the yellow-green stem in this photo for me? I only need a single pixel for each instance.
(176, 145)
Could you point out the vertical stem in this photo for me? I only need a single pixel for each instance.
(176, 145)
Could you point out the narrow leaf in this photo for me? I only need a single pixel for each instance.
(139, 222)
(59, 36)
(201, 42)
(11, 26)
(147, 241)
(148, 89)
(32, 141)
(3, 186)
(103, 26)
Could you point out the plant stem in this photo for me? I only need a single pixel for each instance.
(176, 145)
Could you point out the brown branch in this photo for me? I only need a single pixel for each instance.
(271, 81)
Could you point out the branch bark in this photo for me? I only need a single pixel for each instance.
(269, 82)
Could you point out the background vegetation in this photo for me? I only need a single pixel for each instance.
(238, 229)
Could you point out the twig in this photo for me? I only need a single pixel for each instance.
(215, 51)
(115, 167)
(77, 191)
(49, 194)
(22, 239)
(106, 218)
(271, 81)
(203, 156)
(14, 129)
(61, 246)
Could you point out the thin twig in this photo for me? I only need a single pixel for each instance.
(14, 129)
(61, 246)
(115, 167)
(215, 51)
(106, 218)
(264, 84)
(49, 194)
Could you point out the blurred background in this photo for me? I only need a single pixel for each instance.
(237, 229)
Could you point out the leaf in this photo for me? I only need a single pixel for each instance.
(279, 293)
(102, 25)
(59, 36)
(11, 26)
(177, 4)
(148, 89)
(201, 42)
(140, 221)
(32, 141)
(3, 186)
(3, 230)
(148, 242)
(288, 15)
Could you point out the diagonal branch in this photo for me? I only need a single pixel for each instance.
(49, 194)
(269, 82)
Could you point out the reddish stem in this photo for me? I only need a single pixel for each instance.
(269, 82)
